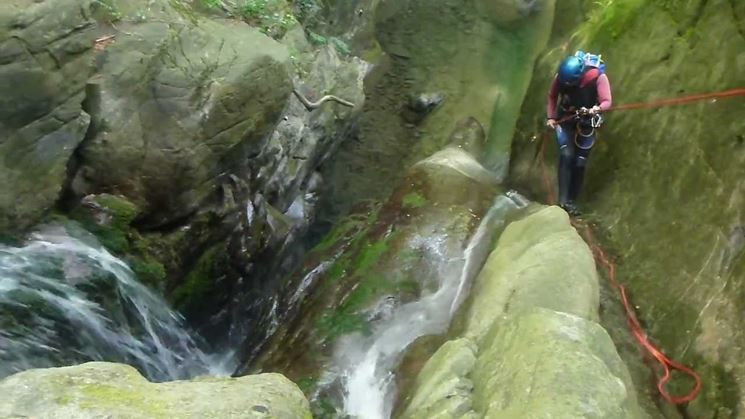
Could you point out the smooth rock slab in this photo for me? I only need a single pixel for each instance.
(542, 363)
(531, 345)
(99, 389)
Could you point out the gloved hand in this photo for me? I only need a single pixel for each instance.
(551, 123)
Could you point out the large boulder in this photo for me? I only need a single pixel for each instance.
(530, 345)
(232, 253)
(45, 61)
(177, 104)
(99, 389)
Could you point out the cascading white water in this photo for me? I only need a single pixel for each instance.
(366, 365)
(65, 300)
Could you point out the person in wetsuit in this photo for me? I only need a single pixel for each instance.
(579, 93)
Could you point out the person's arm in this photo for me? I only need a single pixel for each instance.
(553, 95)
(605, 100)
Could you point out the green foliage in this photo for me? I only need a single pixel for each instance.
(212, 4)
(317, 39)
(254, 9)
(274, 17)
(341, 46)
(108, 11)
(184, 7)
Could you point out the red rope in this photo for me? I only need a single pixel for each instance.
(669, 102)
(668, 365)
(679, 100)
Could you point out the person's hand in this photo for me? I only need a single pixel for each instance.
(551, 123)
(594, 110)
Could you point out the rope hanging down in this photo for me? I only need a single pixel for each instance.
(668, 365)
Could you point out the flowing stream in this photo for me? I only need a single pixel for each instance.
(64, 300)
(366, 365)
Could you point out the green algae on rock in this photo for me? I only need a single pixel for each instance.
(531, 345)
(453, 191)
(98, 389)
(408, 248)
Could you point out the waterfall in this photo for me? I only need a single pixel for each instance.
(367, 365)
(64, 300)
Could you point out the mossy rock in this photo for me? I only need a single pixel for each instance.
(531, 345)
(175, 105)
(98, 389)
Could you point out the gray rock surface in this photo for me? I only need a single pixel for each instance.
(99, 389)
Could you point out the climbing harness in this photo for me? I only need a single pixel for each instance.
(668, 365)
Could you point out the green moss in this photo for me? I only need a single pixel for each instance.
(341, 46)
(317, 39)
(148, 271)
(323, 408)
(199, 281)
(609, 18)
(113, 229)
(340, 232)
(414, 200)
(335, 323)
(307, 384)
(100, 396)
(369, 255)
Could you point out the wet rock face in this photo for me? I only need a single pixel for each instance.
(99, 389)
(435, 46)
(420, 105)
(236, 248)
(45, 60)
(378, 260)
(192, 123)
(506, 12)
(666, 184)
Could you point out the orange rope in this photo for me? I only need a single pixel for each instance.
(668, 365)
(679, 100)
(668, 102)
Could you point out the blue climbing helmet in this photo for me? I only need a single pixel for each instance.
(571, 70)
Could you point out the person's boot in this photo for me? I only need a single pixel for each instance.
(575, 185)
(565, 177)
(571, 209)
